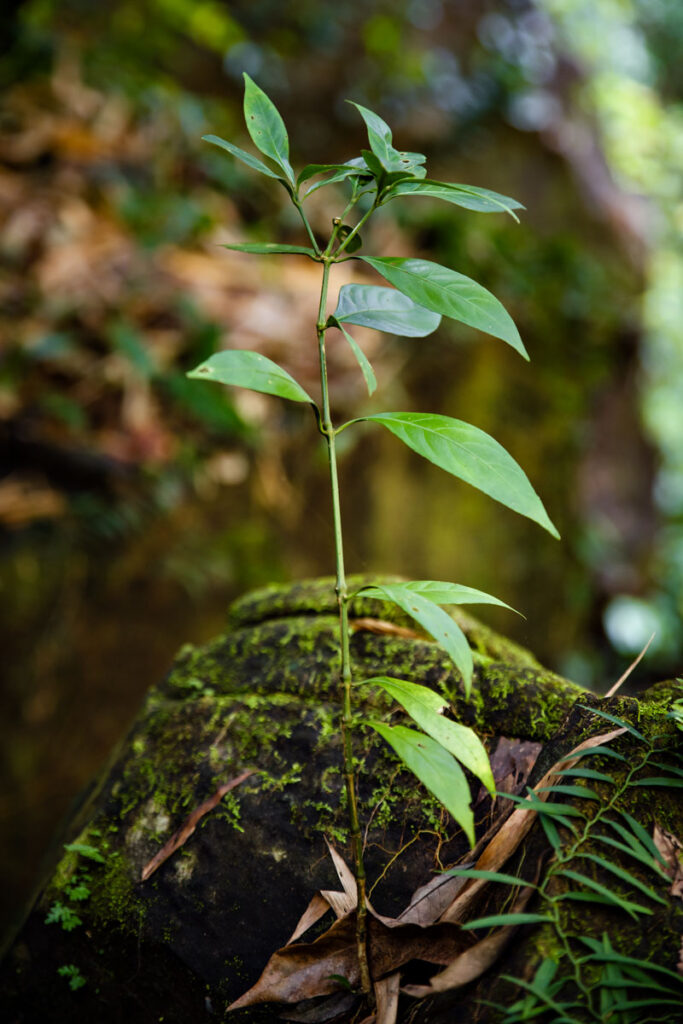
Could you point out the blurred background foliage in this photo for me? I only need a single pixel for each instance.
(134, 504)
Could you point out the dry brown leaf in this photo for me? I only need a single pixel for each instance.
(304, 970)
(386, 998)
(671, 849)
(340, 902)
(622, 679)
(511, 764)
(513, 830)
(330, 1009)
(471, 964)
(316, 909)
(181, 835)
(346, 876)
(383, 627)
(429, 901)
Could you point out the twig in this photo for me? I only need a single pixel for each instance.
(181, 835)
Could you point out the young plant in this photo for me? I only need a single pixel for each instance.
(422, 293)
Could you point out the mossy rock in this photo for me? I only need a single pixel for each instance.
(263, 696)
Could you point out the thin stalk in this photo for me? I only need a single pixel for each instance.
(327, 430)
(309, 229)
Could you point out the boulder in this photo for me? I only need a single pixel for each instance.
(100, 944)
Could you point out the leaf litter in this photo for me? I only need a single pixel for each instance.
(429, 929)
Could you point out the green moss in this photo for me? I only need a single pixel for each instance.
(116, 899)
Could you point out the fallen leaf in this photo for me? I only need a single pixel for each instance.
(471, 964)
(383, 627)
(340, 902)
(181, 835)
(320, 1012)
(671, 850)
(346, 876)
(514, 829)
(429, 901)
(304, 970)
(511, 764)
(386, 998)
(316, 909)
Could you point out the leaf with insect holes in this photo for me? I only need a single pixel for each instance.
(470, 454)
(388, 158)
(432, 619)
(252, 371)
(425, 708)
(436, 769)
(266, 127)
(271, 249)
(361, 358)
(384, 309)
(449, 293)
(469, 197)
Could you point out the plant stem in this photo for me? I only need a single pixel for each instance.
(327, 430)
(306, 223)
(359, 225)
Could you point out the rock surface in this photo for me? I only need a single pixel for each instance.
(101, 945)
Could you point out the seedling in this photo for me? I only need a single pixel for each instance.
(421, 293)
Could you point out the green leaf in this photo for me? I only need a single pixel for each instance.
(425, 708)
(659, 780)
(380, 139)
(532, 803)
(625, 876)
(271, 249)
(643, 836)
(449, 293)
(373, 164)
(490, 876)
(253, 371)
(667, 767)
(470, 454)
(609, 956)
(266, 127)
(241, 154)
(432, 619)
(601, 751)
(580, 791)
(453, 593)
(311, 170)
(333, 179)
(361, 358)
(494, 920)
(638, 853)
(607, 894)
(85, 850)
(435, 768)
(615, 721)
(384, 309)
(468, 196)
(550, 829)
(589, 773)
